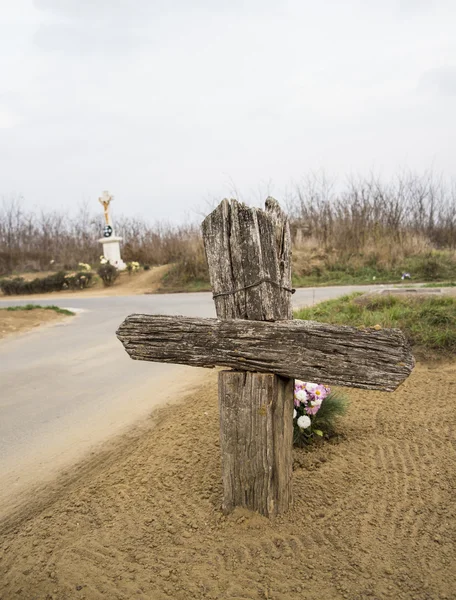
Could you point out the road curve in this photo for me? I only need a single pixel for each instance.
(66, 389)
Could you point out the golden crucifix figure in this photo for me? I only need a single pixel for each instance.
(105, 199)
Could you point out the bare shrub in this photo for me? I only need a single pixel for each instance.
(370, 222)
(31, 241)
(367, 223)
(52, 283)
(108, 274)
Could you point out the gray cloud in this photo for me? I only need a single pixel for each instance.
(413, 6)
(441, 80)
(129, 12)
(85, 27)
(165, 102)
(83, 40)
(125, 11)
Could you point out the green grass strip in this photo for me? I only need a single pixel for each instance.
(57, 309)
(428, 323)
(440, 285)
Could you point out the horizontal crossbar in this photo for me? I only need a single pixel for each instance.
(319, 352)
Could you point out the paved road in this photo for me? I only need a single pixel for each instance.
(67, 388)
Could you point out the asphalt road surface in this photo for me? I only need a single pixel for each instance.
(67, 388)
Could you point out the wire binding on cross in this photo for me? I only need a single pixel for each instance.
(247, 287)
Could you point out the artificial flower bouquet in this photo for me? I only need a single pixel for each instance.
(315, 411)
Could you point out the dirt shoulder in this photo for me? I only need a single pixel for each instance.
(14, 322)
(374, 514)
(126, 285)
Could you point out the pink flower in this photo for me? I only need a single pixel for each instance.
(320, 392)
(311, 387)
(309, 395)
(313, 407)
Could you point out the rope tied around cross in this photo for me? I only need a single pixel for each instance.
(247, 287)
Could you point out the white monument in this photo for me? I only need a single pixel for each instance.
(111, 242)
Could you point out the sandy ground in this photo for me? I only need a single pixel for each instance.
(126, 285)
(13, 322)
(373, 518)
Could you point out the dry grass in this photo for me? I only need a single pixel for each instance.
(33, 242)
(384, 263)
(370, 230)
(366, 230)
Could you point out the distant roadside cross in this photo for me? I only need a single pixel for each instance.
(249, 257)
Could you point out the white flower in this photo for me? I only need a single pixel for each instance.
(304, 422)
(301, 396)
(311, 387)
(316, 402)
(295, 414)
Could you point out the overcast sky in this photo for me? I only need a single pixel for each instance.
(168, 102)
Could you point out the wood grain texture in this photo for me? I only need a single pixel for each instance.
(369, 359)
(249, 254)
(245, 246)
(283, 251)
(257, 408)
(249, 257)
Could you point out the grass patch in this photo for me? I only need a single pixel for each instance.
(312, 269)
(339, 277)
(428, 323)
(439, 285)
(335, 405)
(176, 287)
(57, 309)
(190, 274)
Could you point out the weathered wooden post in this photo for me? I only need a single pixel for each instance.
(248, 253)
(249, 257)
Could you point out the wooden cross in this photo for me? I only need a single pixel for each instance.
(249, 257)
